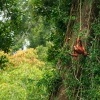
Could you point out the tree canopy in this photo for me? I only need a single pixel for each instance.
(48, 29)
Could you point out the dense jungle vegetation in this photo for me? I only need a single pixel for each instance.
(38, 56)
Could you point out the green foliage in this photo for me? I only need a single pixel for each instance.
(64, 56)
(27, 78)
(51, 80)
(6, 36)
(42, 53)
(11, 23)
(3, 60)
(96, 28)
(39, 34)
(56, 15)
(82, 76)
(12, 92)
(92, 69)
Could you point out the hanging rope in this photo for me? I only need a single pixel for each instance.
(80, 17)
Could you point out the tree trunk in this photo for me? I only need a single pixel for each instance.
(84, 18)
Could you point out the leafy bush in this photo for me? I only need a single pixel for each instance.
(3, 60)
(42, 52)
(21, 80)
(26, 56)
